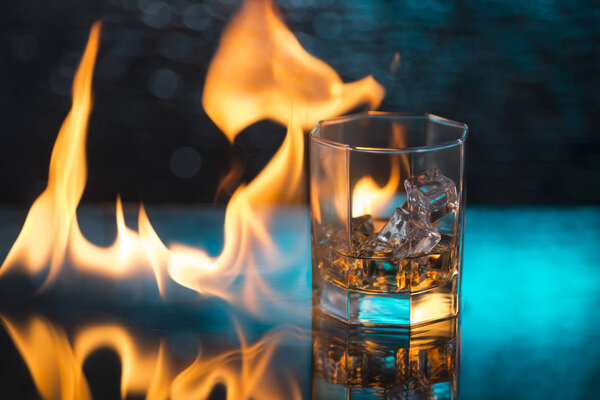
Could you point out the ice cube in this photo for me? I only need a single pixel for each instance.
(446, 225)
(419, 238)
(431, 195)
(363, 224)
(374, 248)
(408, 236)
(391, 231)
(362, 228)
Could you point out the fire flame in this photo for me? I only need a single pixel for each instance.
(52, 215)
(259, 71)
(148, 368)
(51, 227)
(368, 197)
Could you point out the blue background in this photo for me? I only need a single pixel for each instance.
(530, 322)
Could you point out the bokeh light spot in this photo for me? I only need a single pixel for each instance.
(157, 14)
(197, 17)
(185, 162)
(163, 83)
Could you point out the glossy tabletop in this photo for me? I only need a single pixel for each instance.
(527, 329)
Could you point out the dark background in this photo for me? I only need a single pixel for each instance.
(522, 74)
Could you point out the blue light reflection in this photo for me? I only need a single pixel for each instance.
(530, 300)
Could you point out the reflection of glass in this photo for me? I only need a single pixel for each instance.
(387, 208)
(357, 362)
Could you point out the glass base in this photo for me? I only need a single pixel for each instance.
(322, 389)
(384, 309)
(363, 362)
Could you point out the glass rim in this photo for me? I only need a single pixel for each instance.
(413, 149)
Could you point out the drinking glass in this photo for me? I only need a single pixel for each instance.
(387, 213)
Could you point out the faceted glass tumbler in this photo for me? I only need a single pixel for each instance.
(387, 211)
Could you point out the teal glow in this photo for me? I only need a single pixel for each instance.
(530, 295)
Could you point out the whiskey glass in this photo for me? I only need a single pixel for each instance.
(387, 213)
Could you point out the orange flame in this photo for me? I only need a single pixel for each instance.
(228, 182)
(261, 71)
(148, 368)
(51, 227)
(245, 229)
(368, 197)
(284, 83)
(251, 381)
(53, 213)
(50, 359)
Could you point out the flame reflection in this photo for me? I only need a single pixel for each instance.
(152, 367)
(370, 198)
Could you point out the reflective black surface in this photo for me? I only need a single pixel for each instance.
(528, 327)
